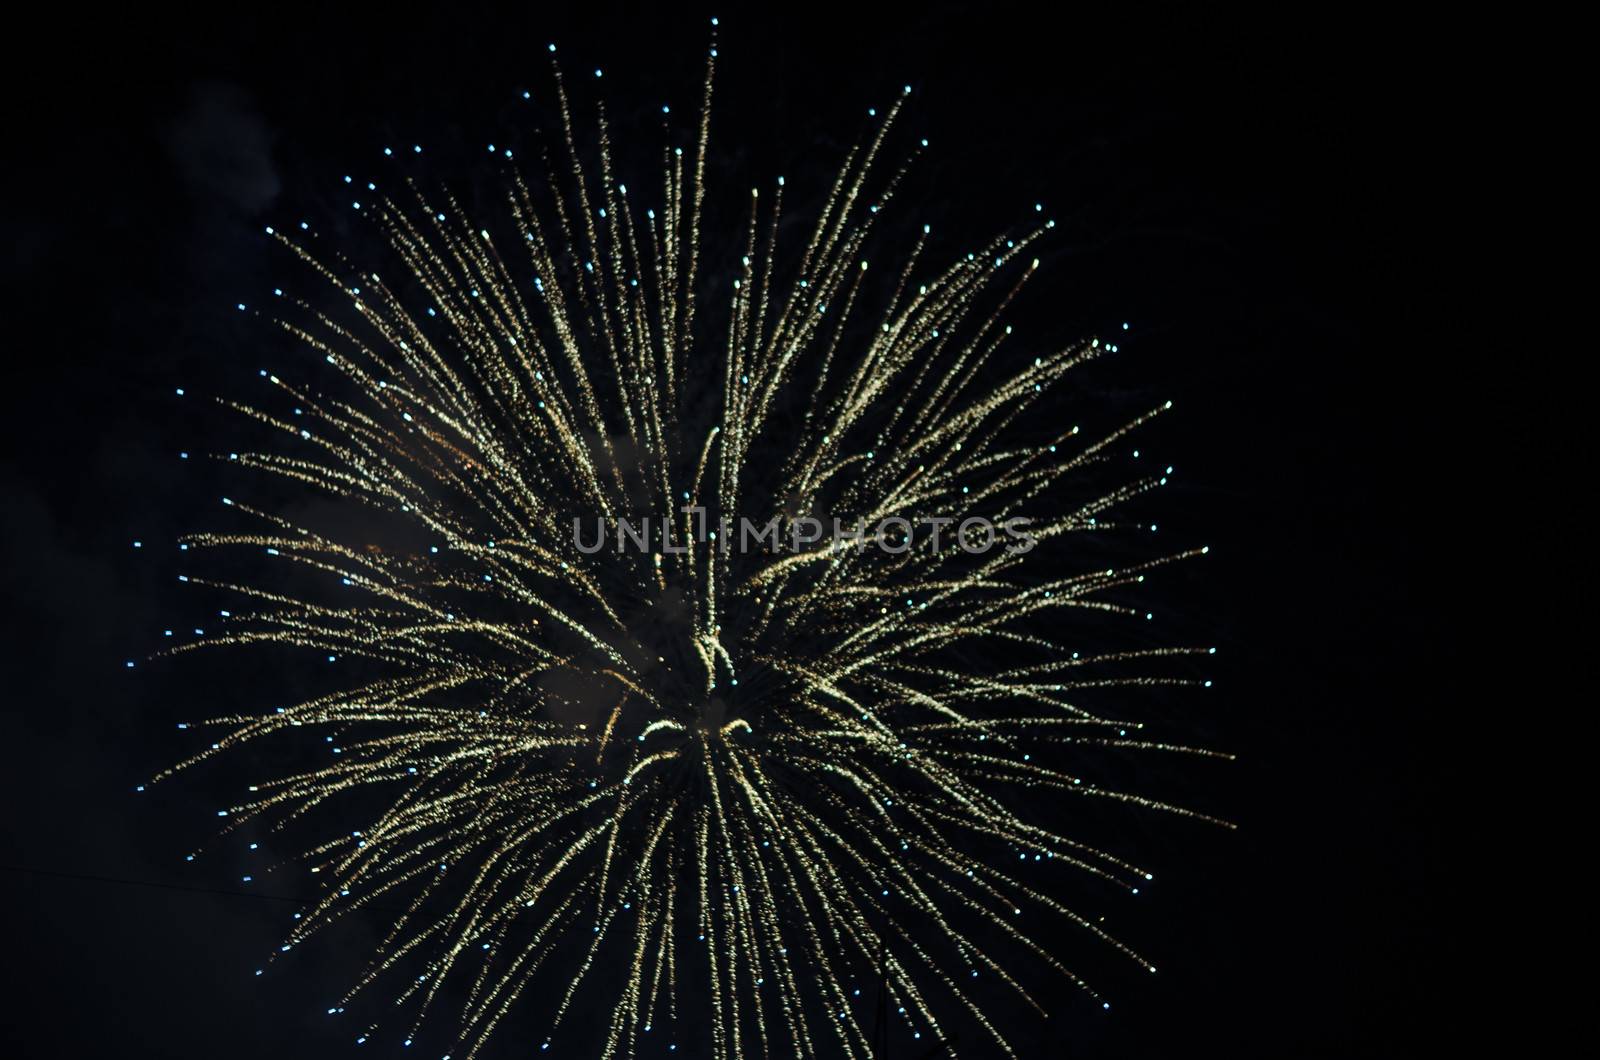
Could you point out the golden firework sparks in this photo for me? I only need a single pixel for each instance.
(746, 777)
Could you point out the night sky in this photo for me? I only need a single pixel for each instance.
(1217, 188)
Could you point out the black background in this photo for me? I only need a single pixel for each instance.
(1220, 186)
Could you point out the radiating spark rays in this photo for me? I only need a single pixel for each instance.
(571, 779)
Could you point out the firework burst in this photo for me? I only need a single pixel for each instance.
(680, 787)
